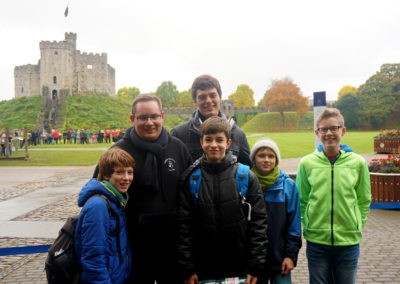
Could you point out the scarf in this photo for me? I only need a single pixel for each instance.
(268, 180)
(151, 175)
(121, 198)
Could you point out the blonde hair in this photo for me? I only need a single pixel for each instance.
(328, 113)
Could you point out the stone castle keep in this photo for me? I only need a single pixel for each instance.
(63, 70)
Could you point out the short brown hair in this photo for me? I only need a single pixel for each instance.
(328, 113)
(215, 124)
(205, 82)
(111, 159)
(146, 97)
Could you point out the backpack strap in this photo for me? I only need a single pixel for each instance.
(194, 182)
(242, 179)
(118, 229)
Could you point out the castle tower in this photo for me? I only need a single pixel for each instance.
(57, 61)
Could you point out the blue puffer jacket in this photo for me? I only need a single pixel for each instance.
(96, 239)
(284, 222)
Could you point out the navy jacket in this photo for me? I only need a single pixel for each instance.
(284, 222)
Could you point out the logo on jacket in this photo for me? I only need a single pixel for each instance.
(170, 164)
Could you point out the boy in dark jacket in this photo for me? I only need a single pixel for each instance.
(217, 241)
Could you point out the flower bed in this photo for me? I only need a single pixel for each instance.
(388, 141)
(385, 181)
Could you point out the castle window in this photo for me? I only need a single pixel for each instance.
(89, 66)
(54, 79)
(22, 90)
(55, 52)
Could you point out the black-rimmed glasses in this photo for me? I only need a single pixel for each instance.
(332, 129)
(152, 117)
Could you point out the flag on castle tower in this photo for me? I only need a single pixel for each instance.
(66, 12)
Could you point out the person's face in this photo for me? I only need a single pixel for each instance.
(265, 161)
(214, 146)
(122, 178)
(148, 120)
(330, 135)
(208, 102)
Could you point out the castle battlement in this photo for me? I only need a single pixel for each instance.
(56, 44)
(95, 55)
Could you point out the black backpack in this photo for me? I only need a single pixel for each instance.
(62, 265)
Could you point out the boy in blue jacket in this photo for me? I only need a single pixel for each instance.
(283, 209)
(101, 241)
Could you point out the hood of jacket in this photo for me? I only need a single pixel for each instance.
(93, 187)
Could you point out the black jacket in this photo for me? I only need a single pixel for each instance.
(215, 239)
(189, 134)
(152, 218)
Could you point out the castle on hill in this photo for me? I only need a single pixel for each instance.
(63, 70)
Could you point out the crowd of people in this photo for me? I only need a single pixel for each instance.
(197, 205)
(71, 136)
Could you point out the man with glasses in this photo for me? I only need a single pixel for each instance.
(335, 195)
(151, 211)
(206, 94)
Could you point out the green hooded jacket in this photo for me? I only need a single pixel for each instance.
(334, 197)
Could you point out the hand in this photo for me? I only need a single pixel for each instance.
(287, 265)
(194, 279)
(250, 279)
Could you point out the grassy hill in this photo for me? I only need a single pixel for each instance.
(88, 112)
(272, 122)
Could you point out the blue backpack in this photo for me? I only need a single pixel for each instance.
(242, 182)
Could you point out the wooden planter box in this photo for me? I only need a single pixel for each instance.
(385, 187)
(387, 145)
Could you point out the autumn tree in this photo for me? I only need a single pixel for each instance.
(168, 94)
(347, 90)
(243, 97)
(185, 99)
(284, 95)
(128, 93)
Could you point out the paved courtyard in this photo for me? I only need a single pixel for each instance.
(34, 203)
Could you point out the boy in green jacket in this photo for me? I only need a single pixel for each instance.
(335, 195)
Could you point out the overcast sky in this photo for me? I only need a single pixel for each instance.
(321, 45)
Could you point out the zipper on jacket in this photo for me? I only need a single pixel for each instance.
(332, 202)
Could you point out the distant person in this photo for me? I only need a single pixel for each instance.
(152, 213)
(223, 234)
(206, 94)
(283, 209)
(101, 240)
(335, 195)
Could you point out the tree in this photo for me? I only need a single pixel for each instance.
(346, 90)
(128, 93)
(380, 95)
(185, 99)
(168, 94)
(284, 95)
(243, 97)
(349, 107)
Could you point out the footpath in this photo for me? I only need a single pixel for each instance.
(35, 202)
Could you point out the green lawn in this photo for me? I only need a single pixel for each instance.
(298, 144)
(291, 144)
